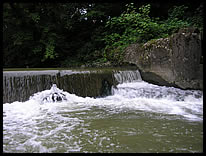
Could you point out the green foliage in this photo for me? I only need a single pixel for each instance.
(176, 19)
(35, 17)
(21, 37)
(132, 26)
(71, 62)
(50, 50)
(177, 12)
(71, 34)
(37, 49)
(196, 19)
(36, 31)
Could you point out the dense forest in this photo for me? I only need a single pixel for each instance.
(79, 34)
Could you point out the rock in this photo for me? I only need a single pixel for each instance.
(55, 95)
(172, 61)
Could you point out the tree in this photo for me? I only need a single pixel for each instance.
(71, 34)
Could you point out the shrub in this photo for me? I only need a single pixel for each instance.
(132, 26)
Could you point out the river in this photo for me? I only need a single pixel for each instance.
(138, 117)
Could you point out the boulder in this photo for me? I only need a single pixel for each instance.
(172, 61)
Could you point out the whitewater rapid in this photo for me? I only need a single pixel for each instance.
(131, 95)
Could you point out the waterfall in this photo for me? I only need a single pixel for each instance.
(20, 85)
(127, 76)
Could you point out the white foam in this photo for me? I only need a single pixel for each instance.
(135, 96)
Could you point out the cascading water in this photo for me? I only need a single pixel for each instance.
(20, 85)
(127, 76)
(137, 117)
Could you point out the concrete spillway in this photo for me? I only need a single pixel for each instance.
(20, 85)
